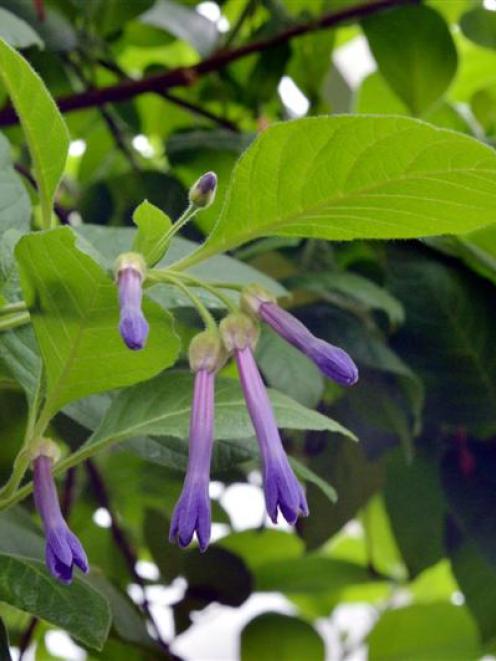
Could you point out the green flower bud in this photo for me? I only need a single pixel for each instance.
(206, 352)
(239, 331)
(202, 193)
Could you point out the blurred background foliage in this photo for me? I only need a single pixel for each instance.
(403, 565)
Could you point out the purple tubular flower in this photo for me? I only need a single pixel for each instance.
(133, 326)
(192, 512)
(63, 549)
(331, 360)
(282, 490)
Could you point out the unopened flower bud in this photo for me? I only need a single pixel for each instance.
(202, 193)
(252, 297)
(130, 269)
(206, 352)
(238, 331)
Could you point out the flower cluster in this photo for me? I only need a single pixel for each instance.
(236, 337)
(239, 334)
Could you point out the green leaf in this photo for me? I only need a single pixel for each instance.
(424, 631)
(19, 352)
(308, 475)
(416, 508)
(152, 225)
(4, 643)
(456, 361)
(74, 311)
(471, 493)
(477, 581)
(479, 25)
(355, 177)
(17, 32)
(261, 546)
(184, 23)
(310, 574)
(273, 635)
(162, 407)
(15, 208)
(353, 286)
(56, 31)
(45, 130)
(418, 64)
(79, 609)
(352, 474)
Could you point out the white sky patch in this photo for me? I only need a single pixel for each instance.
(216, 630)
(215, 490)
(102, 517)
(354, 61)
(143, 146)
(245, 505)
(211, 10)
(77, 148)
(490, 4)
(292, 97)
(147, 570)
(457, 598)
(61, 646)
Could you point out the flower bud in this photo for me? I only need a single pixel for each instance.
(206, 352)
(130, 271)
(202, 193)
(238, 331)
(252, 297)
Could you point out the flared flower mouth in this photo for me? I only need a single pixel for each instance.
(63, 549)
(192, 513)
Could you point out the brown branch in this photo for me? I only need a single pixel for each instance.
(185, 76)
(177, 100)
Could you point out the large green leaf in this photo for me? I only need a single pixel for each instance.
(44, 128)
(73, 305)
(273, 635)
(162, 407)
(438, 631)
(80, 610)
(419, 63)
(349, 177)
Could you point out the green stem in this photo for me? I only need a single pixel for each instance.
(23, 457)
(13, 307)
(207, 318)
(10, 321)
(194, 282)
(179, 224)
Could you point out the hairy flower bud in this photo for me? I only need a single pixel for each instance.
(202, 193)
(252, 297)
(238, 331)
(206, 352)
(130, 271)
